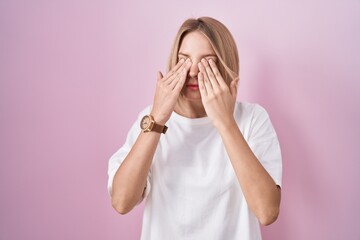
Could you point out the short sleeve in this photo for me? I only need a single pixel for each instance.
(264, 143)
(118, 157)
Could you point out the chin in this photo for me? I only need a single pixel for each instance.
(193, 96)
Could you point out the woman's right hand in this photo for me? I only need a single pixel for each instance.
(168, 89)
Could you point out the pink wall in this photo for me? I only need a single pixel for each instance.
(74, 75)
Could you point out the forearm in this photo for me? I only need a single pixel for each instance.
(130, 179)
(259, 189)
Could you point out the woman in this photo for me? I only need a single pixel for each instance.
(208, 166)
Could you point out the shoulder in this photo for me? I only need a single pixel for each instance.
(258, 126)
(250, 111)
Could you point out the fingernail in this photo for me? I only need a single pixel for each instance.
(187, 60)
(181, 60)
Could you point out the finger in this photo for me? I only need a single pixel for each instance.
(159, 76)
(206, 81)
(179, 80)
(175, 76)
(217, 73)
(180, 83)
(210, 74)
(180, 74)
(175, 68)
(202, 88)
(207, 84)
(233, 88)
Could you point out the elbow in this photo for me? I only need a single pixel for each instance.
(270, 212)
(269, 216)
(121, 210)
(121, 206)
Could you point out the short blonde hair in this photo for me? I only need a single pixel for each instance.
(220, 39)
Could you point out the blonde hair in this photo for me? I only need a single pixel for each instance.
(220, 39)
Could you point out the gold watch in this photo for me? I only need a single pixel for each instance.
(148, 124)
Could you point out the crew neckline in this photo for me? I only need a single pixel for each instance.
(193, 121)
(198, 121)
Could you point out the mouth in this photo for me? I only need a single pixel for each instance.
(192, 86)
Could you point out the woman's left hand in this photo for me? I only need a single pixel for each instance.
(217, 97)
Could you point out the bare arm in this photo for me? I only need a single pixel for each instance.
(130, 178)
(261, 192)
(259, 189)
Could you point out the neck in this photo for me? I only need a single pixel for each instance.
(190, 108)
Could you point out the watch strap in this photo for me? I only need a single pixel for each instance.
(159, 128)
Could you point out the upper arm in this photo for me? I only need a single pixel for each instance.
(264, 143)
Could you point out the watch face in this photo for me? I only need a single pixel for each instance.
(145, 122)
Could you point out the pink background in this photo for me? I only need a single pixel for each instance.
(74, 75)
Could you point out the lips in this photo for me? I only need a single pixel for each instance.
(192, 86)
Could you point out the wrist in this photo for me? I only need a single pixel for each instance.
(159, 119)
(148, 124)
(226, 125)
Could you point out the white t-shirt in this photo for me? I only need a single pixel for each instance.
(192, 190)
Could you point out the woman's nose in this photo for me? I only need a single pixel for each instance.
(194, 70)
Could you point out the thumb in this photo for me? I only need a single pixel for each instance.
(159, 76)
(233, 87)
